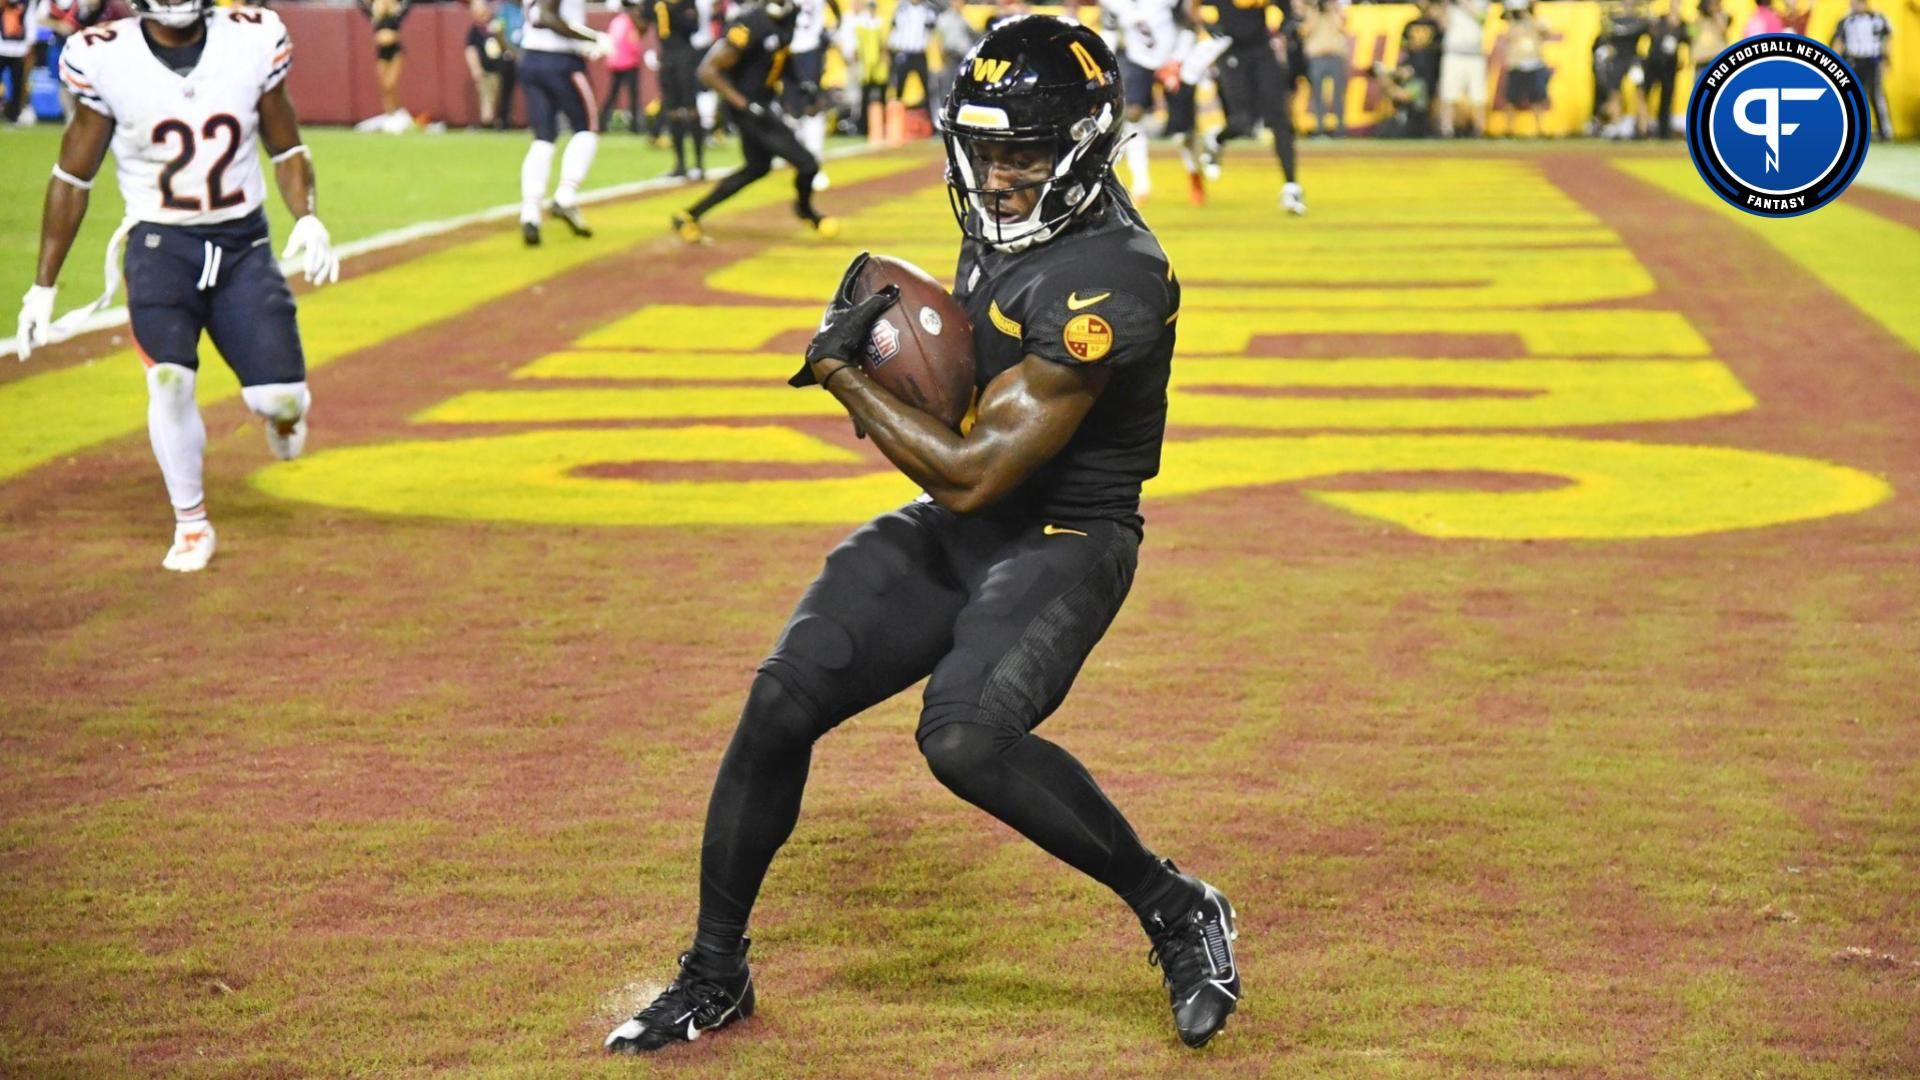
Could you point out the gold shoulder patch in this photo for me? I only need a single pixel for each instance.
(1001, 322)
(1088, 337)
(738, 36)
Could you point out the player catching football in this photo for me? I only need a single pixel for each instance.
(1001, 580)
(184, 94)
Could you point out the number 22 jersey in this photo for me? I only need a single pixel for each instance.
(185, 146)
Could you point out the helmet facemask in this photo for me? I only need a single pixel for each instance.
(1080, 164)
(177, 14)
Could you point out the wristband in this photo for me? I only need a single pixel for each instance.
(827, 382)
(297, 148)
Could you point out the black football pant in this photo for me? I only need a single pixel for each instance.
(905, 63)
(763, 138)
(1660, 84)
(1873, 83)
(1001, 615)
(17, 95)
(1254, 85)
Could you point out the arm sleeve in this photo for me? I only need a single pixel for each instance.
(1111, 320)
(74, 77)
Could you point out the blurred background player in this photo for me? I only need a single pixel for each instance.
(623, 68)
(1155, 35)
(744, 68)
(863, 42)
(19, 29)
(907, 41)
(1527, 67)
(486, 55)
(1255, 88)
(1327, 47)
(185, 95)
(388, 59)
(800, 84)
(1666, 36)
(553, 77)
(677, 22)
(1463, 66)
(956, 36)
(1861, 37)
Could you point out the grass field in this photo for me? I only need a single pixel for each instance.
(1525, 637)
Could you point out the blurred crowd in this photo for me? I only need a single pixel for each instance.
(891, 66)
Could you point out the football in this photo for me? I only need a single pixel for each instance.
(921, 350)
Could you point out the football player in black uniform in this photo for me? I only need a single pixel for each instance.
(996, 584)
(1256, 85)
(745, 67)
(676, 22)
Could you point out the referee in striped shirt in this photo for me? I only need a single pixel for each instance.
(1862, 37)
(907, 40)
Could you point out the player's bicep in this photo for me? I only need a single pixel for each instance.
(1026, 415)
(719, 60)
(279, 126)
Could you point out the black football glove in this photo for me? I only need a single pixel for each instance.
(847, 325)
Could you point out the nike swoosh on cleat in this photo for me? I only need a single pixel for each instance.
(1074, 303)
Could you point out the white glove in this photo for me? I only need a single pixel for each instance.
(601, 48)
(651, 58)
(36, 319)
(310, 237)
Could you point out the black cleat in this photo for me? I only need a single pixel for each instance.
(572, 216)
(690, 1006)
(530, 233)
(1195, 957)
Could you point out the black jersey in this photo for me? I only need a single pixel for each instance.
(1243, 22)
(762, 43)
(676, 21)
(1103, 293)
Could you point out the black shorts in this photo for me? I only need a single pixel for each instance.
(763, 138)
(555, 85)
(182, 279)
(388, 51)
(1001, 614)
(800, 88)
(1254, 87)
(1526, 87)
(1181, 111)
(679, 77)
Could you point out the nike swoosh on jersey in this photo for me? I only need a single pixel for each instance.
(1074, 303)
(1055, 530)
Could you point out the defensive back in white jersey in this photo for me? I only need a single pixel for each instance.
(1152, 31)
(809, 21)
(185, 146)
(541, 39)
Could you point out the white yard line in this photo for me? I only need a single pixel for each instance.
(392, 238)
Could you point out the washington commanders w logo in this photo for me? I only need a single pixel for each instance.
(985, 70)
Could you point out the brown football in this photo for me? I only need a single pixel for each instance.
(921, 350)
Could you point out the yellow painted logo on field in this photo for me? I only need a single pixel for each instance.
(1088, 337)
(693, 426)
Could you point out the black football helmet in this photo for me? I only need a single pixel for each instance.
(1032, 80)
(178, 14)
